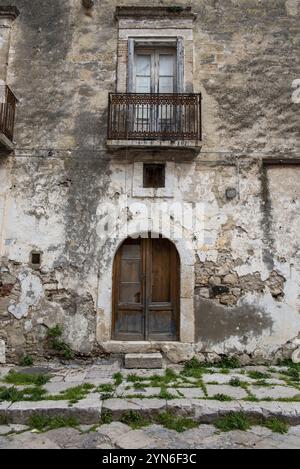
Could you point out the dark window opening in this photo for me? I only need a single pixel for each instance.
(154, 175)
(35, 258)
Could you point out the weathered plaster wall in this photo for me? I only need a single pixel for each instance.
(62, 64)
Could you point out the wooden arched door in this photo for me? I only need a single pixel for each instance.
(146, 288)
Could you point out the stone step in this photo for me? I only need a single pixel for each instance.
(89, 410)
(86, 411)
(143, 360)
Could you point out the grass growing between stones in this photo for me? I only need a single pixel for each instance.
(292, 374)
(236, 382)
(194, 369)
(174, 422)
(240, 421)
(106, 417)
(134, 419)
(13, 394)
(26, 360)
(258, 375)
(45, 423)
(233, 421)
(118, 378)
(106, 388)
(221, 397)
(228, 363)
(73, 394)
(276, 425)
(16, 378)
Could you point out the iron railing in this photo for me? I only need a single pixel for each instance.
(8, 103)
(135, 116)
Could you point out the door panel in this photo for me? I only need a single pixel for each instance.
(160, 264)
(163, 298)
(128, 292)
(146, 291)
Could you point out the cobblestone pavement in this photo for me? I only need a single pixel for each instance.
(119, 435)
(87, 391)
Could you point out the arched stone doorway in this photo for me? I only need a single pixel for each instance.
(146, 291)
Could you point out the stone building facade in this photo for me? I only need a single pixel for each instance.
(230, 199)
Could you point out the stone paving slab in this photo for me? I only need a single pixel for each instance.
(231, 391)
(57, 387)
(274, 392)
(224, 379)
(190, 393)
(146, 406)
(147, 392)
(140, 439)
(118, 435)
(30, 441)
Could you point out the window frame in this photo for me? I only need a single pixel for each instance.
(176, 44)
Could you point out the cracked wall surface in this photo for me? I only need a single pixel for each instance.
(244, 295)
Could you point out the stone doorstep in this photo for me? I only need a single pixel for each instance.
(88, 411)
(143, 360)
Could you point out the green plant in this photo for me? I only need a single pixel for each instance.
(165, 394)
(228, 362)
(134, 378)
(276, 425)
(233, 421)
(236, 382)
(258, 375)
(14, 377)
(26, 360)
(261, 382)
(138, 385)
(156, 380)
(170, 375)
(73, 394)
(106, 416)
(134, 419)
(13, 394)
(56, 343)
(222, 397)
(44, 422)
(118, 378)
(105, 388)
(193, 368)
(173, 422)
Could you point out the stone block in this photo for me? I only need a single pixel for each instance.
(143, 360)
(274, 392)
(85, 411)
(145, 406)
(136, 439)
(231, 391)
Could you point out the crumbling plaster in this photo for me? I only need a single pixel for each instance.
(62, 64)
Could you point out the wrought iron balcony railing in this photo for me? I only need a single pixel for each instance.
(173, 117)
(8, 103)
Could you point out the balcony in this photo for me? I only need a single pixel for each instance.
(8, 103)
(154, 120)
